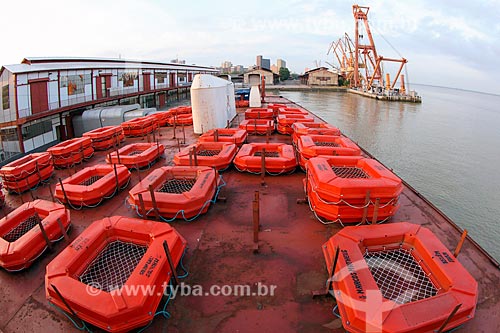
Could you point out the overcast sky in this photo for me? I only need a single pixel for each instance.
(452, 43)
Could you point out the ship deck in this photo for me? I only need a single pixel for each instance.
(221, 252)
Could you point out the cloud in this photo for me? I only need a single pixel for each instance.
(439, 39)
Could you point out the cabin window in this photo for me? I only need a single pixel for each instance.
(37, 129)
(128, 78)
(75, 83)
(160, 77)
(5, 97)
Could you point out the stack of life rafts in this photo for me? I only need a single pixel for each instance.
(71, 152)
(258, 121)
(187, 189)
(180, 115)
(341, 185)
(27, 172)
(288, 116)
(105, 137)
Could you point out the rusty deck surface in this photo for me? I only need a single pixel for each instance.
(221, 253)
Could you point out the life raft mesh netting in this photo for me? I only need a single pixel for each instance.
(135, 152)
(267, 154)
(350, 172)
(91, 180)
(113, 266)
(326, 144)
(398, 276)
(18, 231)
(177, 185)
(207, 152)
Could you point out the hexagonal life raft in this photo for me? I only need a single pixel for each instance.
(183, 109)
(285, 121)
(105, 137)
(257, 126)
(27, 172)
(300, 129)
(230, 135)
(340, 188)
(139, 126)
(22, 240)
(179, 191)
(71, 152)
(325, 145)
(180, 119)
(398, 277)
(96, 274)
(279, 158)
(287, 110)
(218, 155)
(276, 108)
(259, 113)
(136, 155)
(90, 186)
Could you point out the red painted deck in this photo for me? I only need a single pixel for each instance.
(220, 252)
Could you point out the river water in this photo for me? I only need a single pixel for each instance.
(448, 147)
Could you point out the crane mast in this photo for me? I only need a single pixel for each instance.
(359, 61)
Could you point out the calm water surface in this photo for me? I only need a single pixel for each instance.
(448, 148)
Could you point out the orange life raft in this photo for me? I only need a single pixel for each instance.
(346, 189)
(96, 274)
(279, 158)
(105, 137)
(27, 172)
(218, 155)
(161, 117)
(242, 103)
(179, 192)
(181, 119)
(285, 121)
(276, 108)
(287, 110)
(71, 152)
(90, 186)
(136, 155)
(139, 126)
(22, 240)
(183, 109)
(230, 135)
(300, 129)
(398, 277)
(259, 113)
(325, 145)
(258, 126)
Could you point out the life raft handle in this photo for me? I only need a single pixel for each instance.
(334, 266)
(460, 243)
(64, 192)
(449, 318)
(170, 263)
(42, 229)
(73, 313)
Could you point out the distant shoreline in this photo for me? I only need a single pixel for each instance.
(454, 88)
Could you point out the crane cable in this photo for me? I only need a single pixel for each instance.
(399, 54)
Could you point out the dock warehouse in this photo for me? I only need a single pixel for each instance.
(40, 95)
